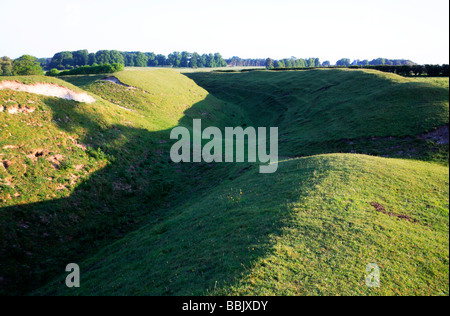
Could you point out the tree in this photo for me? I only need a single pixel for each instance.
(209, 60)
(193, 63)
(140, 60)
(62, 60)
(344, 62)
(301, 63)
(279, 64)
(91, 59)
(174, 59)
(80, 57)
(44, 62)
(26, 66)
(129, 58)
(6, 66)
(317, 62)
(287, 63)
(116, 57)
(378, 62)
(162, 60)
(269, 63)
(218, 61)
(201, 63)
(152, 61)
(184, 62)
(326, 63)
(103, 57)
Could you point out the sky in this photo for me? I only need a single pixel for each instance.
(326, 29)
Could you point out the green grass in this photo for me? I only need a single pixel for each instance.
(314, 234)
(155, 227)
(190, 70)
(316, 109)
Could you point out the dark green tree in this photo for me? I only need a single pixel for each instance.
(27, 65)
(218, 61)
(194, 61)
(162, 60)
(80, 57)
(62, 60)
(91, 59)
(6, 68)
(151, 60)
(184, 61)
(174, 59)
(269, 63)
(116, 57)
(103, 57)
(344, 62)
(140, 60)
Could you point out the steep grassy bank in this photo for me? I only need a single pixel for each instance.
(309, 229)
(326, 111)
(77, 178)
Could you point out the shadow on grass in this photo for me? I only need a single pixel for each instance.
(139, 186)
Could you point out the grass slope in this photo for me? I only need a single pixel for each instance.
(224, 228)
(309, 229)
(338, 110)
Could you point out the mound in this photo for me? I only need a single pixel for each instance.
(309, 229)
(74, 174)
(316, 109)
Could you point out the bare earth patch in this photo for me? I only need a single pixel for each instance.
(117, 81)
(439, 136)
(380, 208)
(48, 89)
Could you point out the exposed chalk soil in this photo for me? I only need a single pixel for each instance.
(117, 81)
(48, 89)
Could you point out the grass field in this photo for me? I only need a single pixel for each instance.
(191, 70)
(137, 223)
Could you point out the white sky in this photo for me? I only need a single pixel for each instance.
(328, 29)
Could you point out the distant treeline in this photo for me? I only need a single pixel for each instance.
(344, 62)
(375, 62)
(239, 62)
(69, 60)
(81, 62)
(73, 59)
(405, 70)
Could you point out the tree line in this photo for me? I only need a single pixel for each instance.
(239, 62)
(294, 62)
(69, 60)
(111, 61)
(346, 62)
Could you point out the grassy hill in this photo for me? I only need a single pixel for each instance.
(338, 110)
(78, 178)
(309, 229)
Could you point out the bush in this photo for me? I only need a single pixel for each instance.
(53, 72)
(94, 69)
